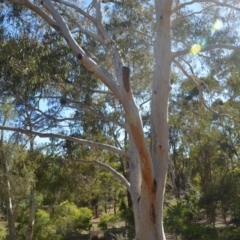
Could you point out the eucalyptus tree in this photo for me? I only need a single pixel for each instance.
(188, 34)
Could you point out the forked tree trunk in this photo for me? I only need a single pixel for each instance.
(148, 206)
(148, 216)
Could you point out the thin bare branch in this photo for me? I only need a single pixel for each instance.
(101, 91)
(190, 77)
(110, 45)
(202, 101)
(109, 169)
(69, 138)
(99, 117)
(145, 102)
(208, 1)
(84, 31)
(79, 10)
(112, 1)
(97, 5)
(131, 30)
(181, 17)
(91, 109)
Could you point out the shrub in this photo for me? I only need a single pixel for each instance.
(84, 220)
(229, 233)
(126, 213)
(44, 227)
(69, 218)
(199, 232)
(107, 220)
(177, 218)
(3, 230)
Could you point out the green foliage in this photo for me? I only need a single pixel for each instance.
(44, 227)
(179, 220)
(126, 213)
(68, 218)
(3, 230)
(178, 217)
(107, 220)
(222, 195)
(84, 220)
(229, 233)
(199, 232)
(209, 202)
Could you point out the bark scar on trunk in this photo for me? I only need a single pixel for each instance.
(154, 186)
(152, 214)
(125, 78)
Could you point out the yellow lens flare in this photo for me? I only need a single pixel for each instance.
(218, 24)
(195, 49)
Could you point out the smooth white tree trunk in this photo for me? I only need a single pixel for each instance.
(7, 189)
(31, 221)
(148, 207)
(7, 194)
(8, 203)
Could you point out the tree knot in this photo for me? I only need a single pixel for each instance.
(154, 189)
(125, 78)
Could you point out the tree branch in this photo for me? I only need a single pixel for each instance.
(177, 20)
(111, 46)
(73, 139)
(37, 10)
(100, 117)
(109, 169)
(84, 31)
(91, 109)
(202, 101)
(104, 34)
(145, 102)
(191, 78)
(131, 30)
(112, 1)
(79, 10)
(208, 1)
(88, 62)
(208, 48)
